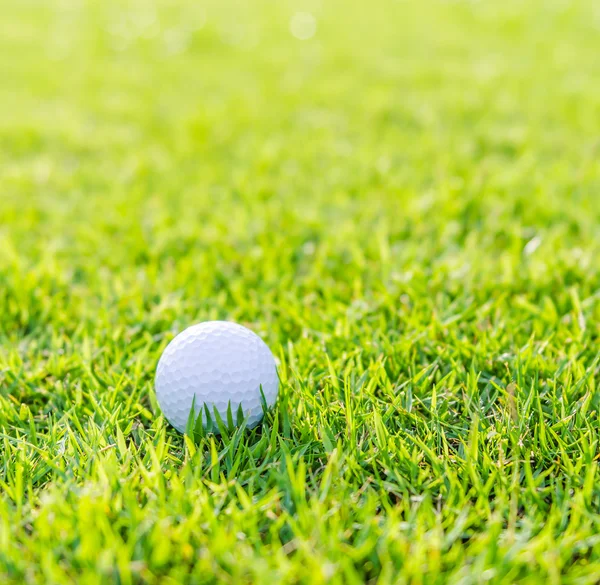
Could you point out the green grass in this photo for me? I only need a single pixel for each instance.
(405, 206)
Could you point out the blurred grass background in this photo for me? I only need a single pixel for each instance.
(134, 133)
(401, 197)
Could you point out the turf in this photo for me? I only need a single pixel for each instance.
(404, 203)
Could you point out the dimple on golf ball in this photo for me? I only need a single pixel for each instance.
(218, 364)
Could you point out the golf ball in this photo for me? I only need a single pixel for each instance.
(217, 364)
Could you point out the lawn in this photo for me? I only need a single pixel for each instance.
(401, 197)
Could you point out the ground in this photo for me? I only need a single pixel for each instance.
(402, 198)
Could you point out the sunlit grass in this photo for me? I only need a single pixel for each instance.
(401, 198)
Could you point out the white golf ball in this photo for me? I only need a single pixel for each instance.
(216, 364)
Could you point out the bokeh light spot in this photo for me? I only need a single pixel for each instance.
(303, 25)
